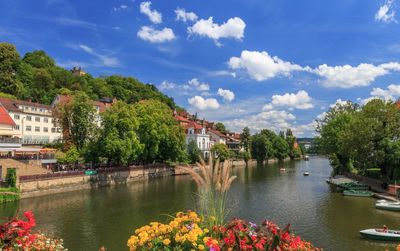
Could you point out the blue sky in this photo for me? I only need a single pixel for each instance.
(258, 63)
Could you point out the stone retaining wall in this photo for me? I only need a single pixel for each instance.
(65, 184)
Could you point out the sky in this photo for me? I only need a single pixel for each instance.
(273, 64)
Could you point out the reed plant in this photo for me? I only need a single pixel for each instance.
(213, 182)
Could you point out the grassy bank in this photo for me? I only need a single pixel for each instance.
(8, 194)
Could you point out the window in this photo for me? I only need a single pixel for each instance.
(46, 120)
(16, 116)
(28, 128)
(45, 129)
(28, 118)
(37, 129)
(17, 127)
(53, 129)
(58, 129)
(37, 119)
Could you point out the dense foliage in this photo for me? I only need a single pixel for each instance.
(36, 76)
(11, 177)
(220, 151)
(266, 145)
(360, 138)
(193, 151)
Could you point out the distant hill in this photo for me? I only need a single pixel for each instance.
(36, 76)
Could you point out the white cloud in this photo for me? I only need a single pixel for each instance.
(184, 16)
(261, 66)
(233, 28)
(197, 85)
(385, 13)
(227, 95)
(105, 60)
(300, 100)
(154, 16)
(201, 103)
(152, 35)
(391, 93)
(165, 85)
(339, 102)
(348, 76)
(120, 8)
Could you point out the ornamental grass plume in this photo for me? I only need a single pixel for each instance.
(213, 183)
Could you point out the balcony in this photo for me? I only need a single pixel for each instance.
(10, 142)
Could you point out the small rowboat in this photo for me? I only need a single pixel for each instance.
(389, 206)
(282, 170)
(381, 234)
(306, 173)
(357, 193)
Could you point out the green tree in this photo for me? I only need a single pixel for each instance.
(260, 146)
(39, 59)
(118, 141)
(220, 151)
(245, 139)
(220, 127)
(193, 151)
(330, 128)
(9, 61)
(163, 138)
(291, 141)
(281, 147)
(77, 118)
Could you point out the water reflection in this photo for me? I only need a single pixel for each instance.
(88, 219)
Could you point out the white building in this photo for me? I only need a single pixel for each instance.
(34, 123)
(198, 134)
(217, 137)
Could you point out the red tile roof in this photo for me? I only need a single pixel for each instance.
(5, 119)
(13, 104)
(194, 125)
(182, 119)
(218, 133)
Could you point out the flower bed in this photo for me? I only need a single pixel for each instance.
(17, 234)
(187, 231)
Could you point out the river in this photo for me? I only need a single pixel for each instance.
(89, 219)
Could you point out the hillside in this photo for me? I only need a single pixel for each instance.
(36, 76)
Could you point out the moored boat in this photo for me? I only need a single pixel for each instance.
(306, 173)
(358, 193)
(381, 234)
(389, 206)
(306, 157)
(282, 170)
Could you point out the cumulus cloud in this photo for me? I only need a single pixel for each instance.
(197, 85)
(261, 66)
(348, 76)
(300, 100)
(233, 28)
(385, 13)
(201, 103)
(182, 15)
(152, 35)
(339, 102)
(154, 16)
(227, 95)
(105, 60)
(165, 85)
(391, 93)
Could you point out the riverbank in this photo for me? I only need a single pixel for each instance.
(40, 185)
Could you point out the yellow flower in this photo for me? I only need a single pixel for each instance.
(201, 247)
(166, 242)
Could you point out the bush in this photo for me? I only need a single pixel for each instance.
(11, 177)
(8, 194)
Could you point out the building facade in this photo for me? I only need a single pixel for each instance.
(34, 123)
(198, 134)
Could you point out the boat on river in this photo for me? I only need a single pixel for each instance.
(306, 157)
(358, 193)
(282, 170)
(381, 234)
(306, 173)
(388, 205)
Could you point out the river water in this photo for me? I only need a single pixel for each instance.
(89, 219)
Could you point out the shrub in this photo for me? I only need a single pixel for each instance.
(8, 194)
(11, 177)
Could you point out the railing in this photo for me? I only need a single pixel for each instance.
(62, 174)
(10, 140)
